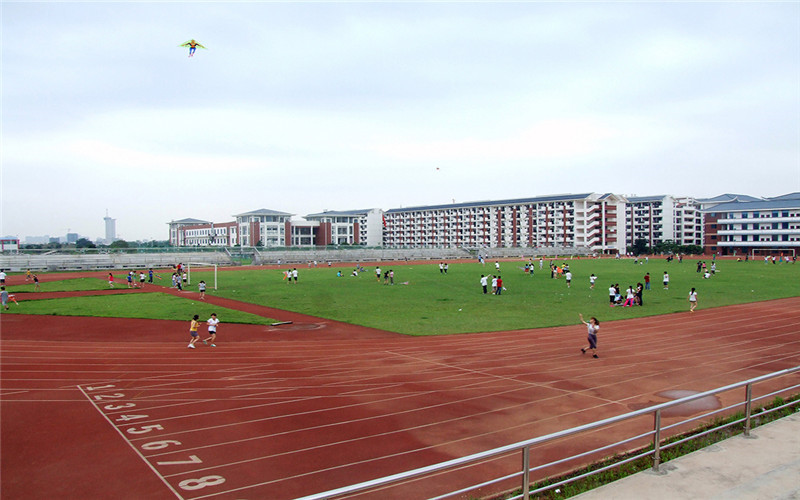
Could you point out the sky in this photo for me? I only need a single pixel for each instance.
(309, 106)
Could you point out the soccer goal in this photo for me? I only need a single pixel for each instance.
(200, 265)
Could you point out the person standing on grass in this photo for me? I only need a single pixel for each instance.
(212, 330)
(193, 331)
(630, 297)
(150, 275)
(110, 280)
(141, 279)
(592, 279)
(36, 287)
(647, 281)
(593, 326)
(4, 297)
(666, 281)
(378, 273)
(612, 294)
(499, 285)
(484, 283)
(568, 276)
(692, 300)
(202, 287)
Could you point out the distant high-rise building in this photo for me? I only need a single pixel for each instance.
(72, 237)
(111, 229)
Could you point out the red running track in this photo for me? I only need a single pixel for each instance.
(120, 408)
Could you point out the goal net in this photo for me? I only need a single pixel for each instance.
(200, 266)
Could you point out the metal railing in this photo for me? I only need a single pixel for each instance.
(524, 447)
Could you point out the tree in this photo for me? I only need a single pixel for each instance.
(119, 244)
(84, 243)
(639, 247)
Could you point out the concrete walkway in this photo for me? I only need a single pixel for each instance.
(761, 467)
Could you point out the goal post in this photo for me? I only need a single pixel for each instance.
(200, 265)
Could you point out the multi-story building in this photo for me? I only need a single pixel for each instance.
(271, 228)
(177, 230)
(745, 225)
(349, 227)
(197, 233)
(582, 220)
(263, 227)
(688, 222)
(664, 218)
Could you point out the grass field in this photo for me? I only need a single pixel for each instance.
(432, 303)
(70, 285)
(145, 306)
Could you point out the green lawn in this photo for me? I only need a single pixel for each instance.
(136, 305)
(432, 303)
(71, 285)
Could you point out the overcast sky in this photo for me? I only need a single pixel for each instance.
(302, 107)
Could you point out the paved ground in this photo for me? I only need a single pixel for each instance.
(763, 466)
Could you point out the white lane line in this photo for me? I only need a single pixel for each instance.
(163, 479)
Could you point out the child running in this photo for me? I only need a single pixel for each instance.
(592, 326)
(193, 331)
(212, 330)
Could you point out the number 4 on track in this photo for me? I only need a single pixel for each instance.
(127, 418)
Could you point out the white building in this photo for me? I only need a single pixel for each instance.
(263, 227)
(349, 227)
(753, 226)
(573, 221)
(663, 218)
(111, 229)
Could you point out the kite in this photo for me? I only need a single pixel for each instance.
(192, 44)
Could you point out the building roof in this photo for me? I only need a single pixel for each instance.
(642, 199)
(749, 206)
(340, 213)
(264, 211)
(490, 203)
(790, 196)
(724, 198)
(189, 221)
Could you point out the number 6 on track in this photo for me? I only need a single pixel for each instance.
(159, 445)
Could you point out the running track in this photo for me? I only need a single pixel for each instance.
(119, 408)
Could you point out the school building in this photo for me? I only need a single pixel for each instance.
(657, 219)
(603, 223)
(743, 225)
(273, 228)
(594, 221)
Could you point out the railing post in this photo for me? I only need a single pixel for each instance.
(748, 406)
(657, 440)
(526, 472)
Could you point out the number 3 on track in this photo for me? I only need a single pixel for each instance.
(197, 484)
